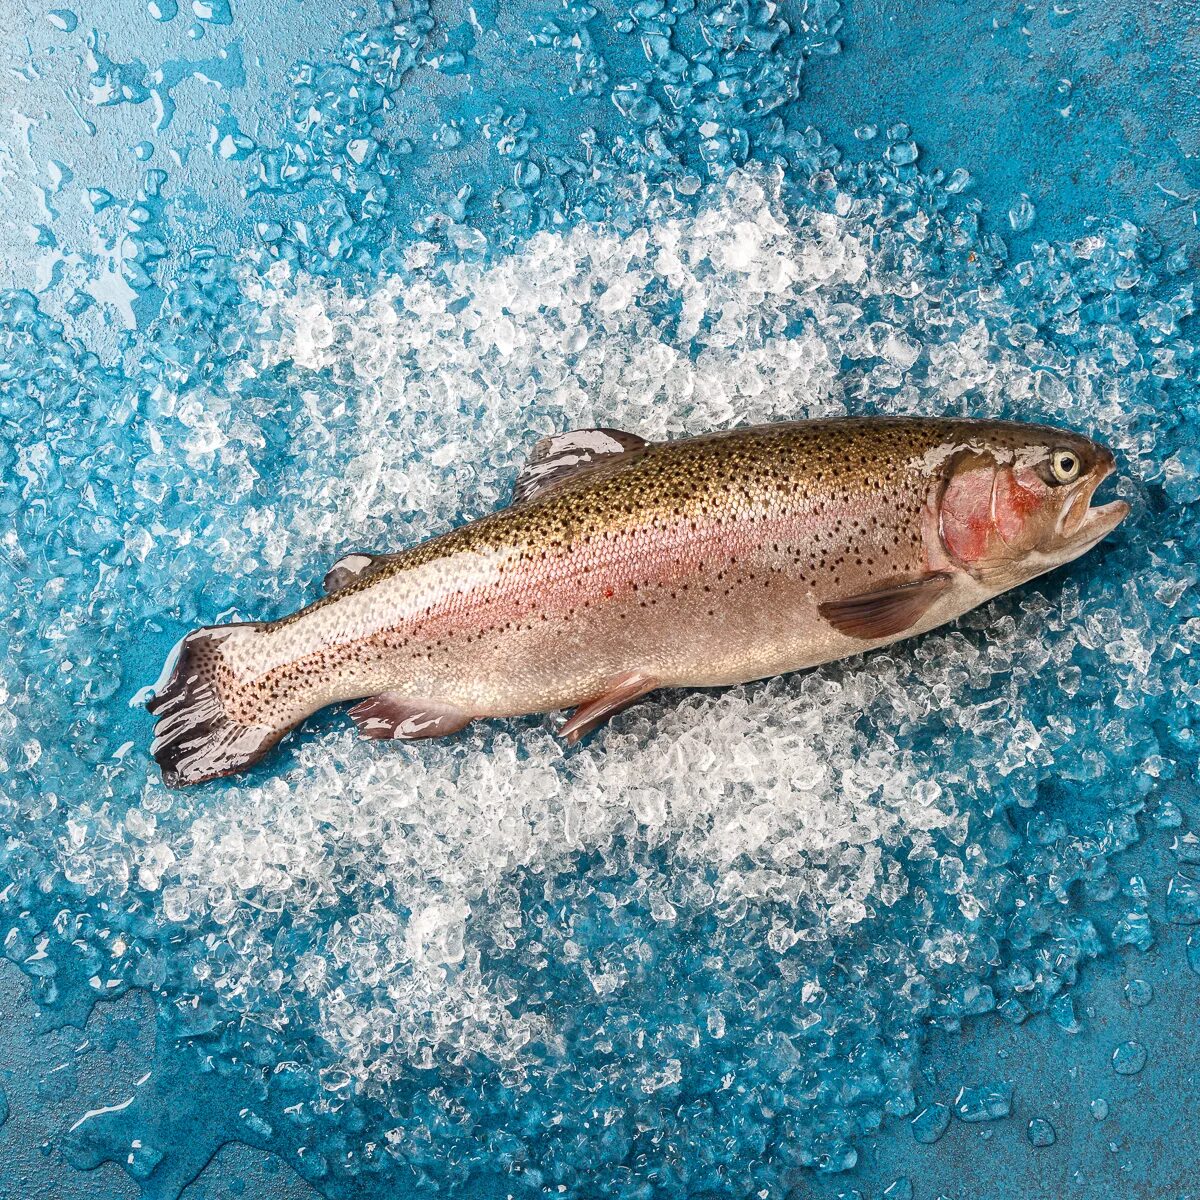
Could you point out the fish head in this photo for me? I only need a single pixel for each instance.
(1017, 501)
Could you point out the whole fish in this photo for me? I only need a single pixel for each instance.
(622, 566)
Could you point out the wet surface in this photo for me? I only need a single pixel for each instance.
(299, 286)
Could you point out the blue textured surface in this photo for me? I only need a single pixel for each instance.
(152, 426)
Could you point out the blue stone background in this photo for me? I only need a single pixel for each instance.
(981, 86)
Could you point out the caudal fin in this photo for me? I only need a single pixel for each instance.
(195, 739)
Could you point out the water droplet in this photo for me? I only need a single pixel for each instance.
(143, 151)
(1099, 1108)
(215, 12)
(60, 174)
(142, 1160)
(1193, 952)
(63, 18)
(163, 10)
(1129, 1058)
(1040, 1132)
(902, 1189)
(865, 133)
(988, 1102)
(1021, 215)
(1138, 992)
(1183, 900)
(930, 1123)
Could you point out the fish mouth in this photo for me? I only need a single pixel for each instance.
(1081, 524)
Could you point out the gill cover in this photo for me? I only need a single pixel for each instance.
(987, 508)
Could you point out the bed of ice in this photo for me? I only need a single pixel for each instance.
(700, 953)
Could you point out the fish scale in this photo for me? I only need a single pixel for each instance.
(624, 566)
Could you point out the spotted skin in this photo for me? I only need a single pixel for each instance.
(692, 563)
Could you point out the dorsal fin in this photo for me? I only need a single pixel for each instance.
(555, 458)
(350, 567)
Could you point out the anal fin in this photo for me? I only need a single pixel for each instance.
(887, 612)
(391, 715)
(620, 694)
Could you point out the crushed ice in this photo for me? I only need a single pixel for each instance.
(483, 904)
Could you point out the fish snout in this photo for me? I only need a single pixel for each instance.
(1082, 523)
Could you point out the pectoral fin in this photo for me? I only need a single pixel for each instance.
(887, 612)
(591, 715)
(390, 715)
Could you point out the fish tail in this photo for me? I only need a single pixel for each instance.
(195, 736)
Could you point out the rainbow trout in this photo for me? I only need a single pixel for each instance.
(622, 566)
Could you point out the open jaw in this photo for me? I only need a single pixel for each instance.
(1081, 524)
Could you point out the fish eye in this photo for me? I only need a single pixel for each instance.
(1065, 465)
